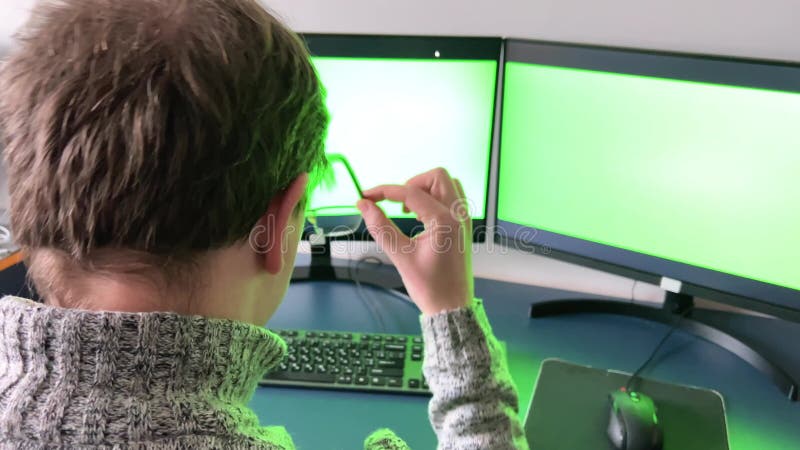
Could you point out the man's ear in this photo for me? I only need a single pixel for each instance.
(274, 224)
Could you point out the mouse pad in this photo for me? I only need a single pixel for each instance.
(570, 409)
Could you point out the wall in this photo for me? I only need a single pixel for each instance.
(751, 28)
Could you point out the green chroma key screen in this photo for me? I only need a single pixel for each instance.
(702, 174)
(396, 118)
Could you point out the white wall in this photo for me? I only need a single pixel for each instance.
(12, 14)
(751, 28)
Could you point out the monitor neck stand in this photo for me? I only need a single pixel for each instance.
(322, 269)
(677, 310)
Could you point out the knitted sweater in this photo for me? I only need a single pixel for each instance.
(72, 379)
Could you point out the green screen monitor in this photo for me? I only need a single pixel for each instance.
(674, 169)
(401, 106)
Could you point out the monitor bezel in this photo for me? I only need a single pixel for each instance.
(717, 286)
(416, 47)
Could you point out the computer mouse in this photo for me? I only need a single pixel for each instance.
(633, 422)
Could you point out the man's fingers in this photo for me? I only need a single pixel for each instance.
(459, 189)
(437, 183)
(383, 230)
(463, 198)
(414, 199)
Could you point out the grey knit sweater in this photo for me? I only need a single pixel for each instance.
(73, 379)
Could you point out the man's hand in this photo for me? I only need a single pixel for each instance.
(436, 265)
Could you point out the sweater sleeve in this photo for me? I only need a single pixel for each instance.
(475, 403)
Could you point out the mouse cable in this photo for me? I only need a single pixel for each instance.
(674, 327)
(369, 302)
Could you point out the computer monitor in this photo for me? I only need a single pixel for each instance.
(678, 170)
(402, 105)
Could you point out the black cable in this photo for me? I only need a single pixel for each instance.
(368, 302)
(673, 328)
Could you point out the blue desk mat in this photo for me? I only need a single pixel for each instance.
(570, 409)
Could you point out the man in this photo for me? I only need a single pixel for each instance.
(145, 141)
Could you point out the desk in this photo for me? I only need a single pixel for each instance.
(759, 418)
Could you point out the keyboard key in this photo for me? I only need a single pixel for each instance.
(416, 357)
(347, 336)
(395, 347)
(322, 335)
(388, 339)
(401, 339)
(310, 334)
(361, 380)
(424, 384)
(390, 363)
(417, 340)
(308, 368)
(378, 381)
(303, 377)
(378, 372)
(321, 368)
(376, 346)
(413, 383)
(394, 382)
(377, 337)
(283, 367)
(416, 348)
(344, 379)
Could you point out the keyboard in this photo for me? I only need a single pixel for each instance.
(381, 363)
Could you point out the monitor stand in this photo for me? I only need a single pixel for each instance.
(677, 310)
(322, 269)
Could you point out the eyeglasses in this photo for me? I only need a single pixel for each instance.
(332, 210)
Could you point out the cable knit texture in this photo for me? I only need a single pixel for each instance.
(72, 379)
(475, 403)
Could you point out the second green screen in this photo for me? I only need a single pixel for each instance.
(702, 174)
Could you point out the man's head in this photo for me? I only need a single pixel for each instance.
(146, 139)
